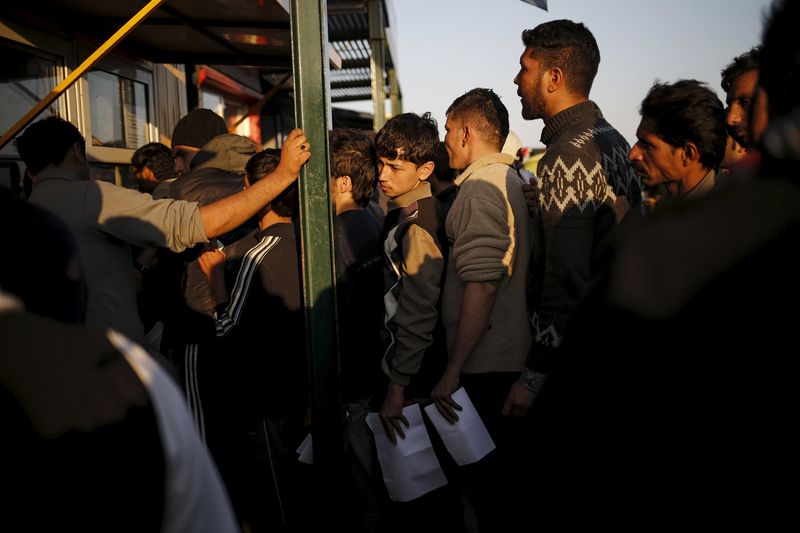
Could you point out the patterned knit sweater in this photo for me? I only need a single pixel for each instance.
(584, 186)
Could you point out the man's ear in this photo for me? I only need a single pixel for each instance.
(345, 184)
(425, 170)
(465, 135)
(691, 153)
(148, 174)
(554, 79)
(75, 153)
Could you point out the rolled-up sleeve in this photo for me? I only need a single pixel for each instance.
(140, 220)
(484, 249)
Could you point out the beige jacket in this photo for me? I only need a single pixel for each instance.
(488, 226)
(105, 220)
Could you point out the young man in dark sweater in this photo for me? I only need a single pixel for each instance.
(584, 186)
(261, 361)
(359, 297)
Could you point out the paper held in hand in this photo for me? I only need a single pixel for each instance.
(467, 440)
(410, 468)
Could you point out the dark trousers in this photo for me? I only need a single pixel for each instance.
(495, 485)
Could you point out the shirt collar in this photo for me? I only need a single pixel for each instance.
(703, 186)
(423, 190)
(483, 161)
(57, 174)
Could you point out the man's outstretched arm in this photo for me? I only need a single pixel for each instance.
(231, 212)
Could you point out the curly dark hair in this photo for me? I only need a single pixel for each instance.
(568, 45)
(409, 137)
(157, 157)
(47, 142)
(687, 111)
(779, 74)
(742, 64)
(482, 109)
(262, 165)
(353, 154)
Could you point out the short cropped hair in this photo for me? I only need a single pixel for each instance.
(779, 74)
(47, 142)
(687, 111)
(157, 157)
(263, 164)
(483, 110)
(742, 64)
(353, 154)
(569, 46)
(408, 137)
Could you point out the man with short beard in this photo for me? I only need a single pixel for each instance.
(739, 81)
(688, 411)
(584, 186)
(680, 140)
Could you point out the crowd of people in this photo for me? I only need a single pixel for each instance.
(619, 320)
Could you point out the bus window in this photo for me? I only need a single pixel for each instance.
(25, 78)
(120, 111)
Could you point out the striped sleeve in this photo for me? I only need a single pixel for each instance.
(227, 320)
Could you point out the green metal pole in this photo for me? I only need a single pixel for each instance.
(377, 62)
(312, 108)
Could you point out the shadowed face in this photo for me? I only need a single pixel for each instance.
(739, 100)
(759, 115)
(734, 152)
(529, 86)
(656, 161)
(183, 158)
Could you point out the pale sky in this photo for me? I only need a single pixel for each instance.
(447, 47)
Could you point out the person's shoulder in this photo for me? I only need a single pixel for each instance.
(427, 223)
(205, 185)
(281, 238)
(358, 221)
(284, 230)
(355, 216)
(429, 203)
(112, 196)
(487, 182)
(106, 187)
(430, 214)
(609, 135)
(240, 247)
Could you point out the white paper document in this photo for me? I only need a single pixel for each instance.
(306, 451)
(410, 468)
(467, 440)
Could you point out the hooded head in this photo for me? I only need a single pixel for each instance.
(191, 133)
(197, 128)
(228, 152)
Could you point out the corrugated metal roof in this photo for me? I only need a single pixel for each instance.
(348, 32)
